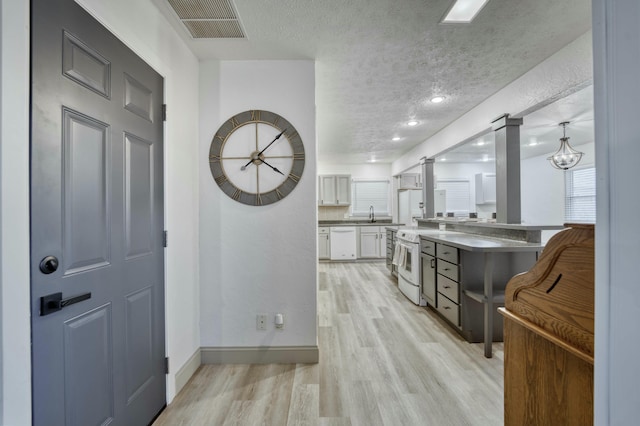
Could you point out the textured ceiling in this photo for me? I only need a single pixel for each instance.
(378, 62)
(541, 132)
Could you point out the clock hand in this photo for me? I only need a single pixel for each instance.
(274, 169)
(257, 157)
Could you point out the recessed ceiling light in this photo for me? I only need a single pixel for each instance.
(396, 138)
(463, 11)
(437, 99)
(412, 123)
(480, 143)
(532, 143)
(443, 159)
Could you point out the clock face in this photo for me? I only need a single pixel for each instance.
(256, 157)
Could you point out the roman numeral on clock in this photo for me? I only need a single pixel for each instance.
(294, 177)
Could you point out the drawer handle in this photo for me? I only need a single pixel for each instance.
(433, 263)
(446, 252)
(447, 307)
(446, 269)
(447, 286)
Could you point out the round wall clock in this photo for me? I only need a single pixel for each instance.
(256, 157)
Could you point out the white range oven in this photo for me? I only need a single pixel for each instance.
(407, 258)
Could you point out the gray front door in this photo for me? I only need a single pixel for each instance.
(97, 258)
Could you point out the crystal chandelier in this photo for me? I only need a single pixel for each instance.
(565, 157)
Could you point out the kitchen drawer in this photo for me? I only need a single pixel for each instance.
(323, 230)
(448, 253)
(449, 309)
(428, 247)
(447, 269)
(449, 288)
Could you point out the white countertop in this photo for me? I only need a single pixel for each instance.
(331, 224)
(481, 243)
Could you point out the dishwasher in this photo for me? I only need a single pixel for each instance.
(343, 243)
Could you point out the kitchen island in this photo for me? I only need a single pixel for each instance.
(469, 267)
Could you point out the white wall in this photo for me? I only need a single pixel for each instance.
(357, 171)
(14, 169)
(142, 28)
(258, 259)
(543, 188)
(444, 170)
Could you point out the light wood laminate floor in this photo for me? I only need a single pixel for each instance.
(383, 361)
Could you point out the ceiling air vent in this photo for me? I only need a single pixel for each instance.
(208, 18)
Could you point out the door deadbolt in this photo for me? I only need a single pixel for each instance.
(49, 265)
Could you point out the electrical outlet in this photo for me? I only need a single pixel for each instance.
(261, 321)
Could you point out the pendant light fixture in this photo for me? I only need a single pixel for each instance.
(565, 157)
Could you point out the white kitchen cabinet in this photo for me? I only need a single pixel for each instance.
(334, 190)
(410, 181)
(485, 188)
(373, 242)
(324, 243)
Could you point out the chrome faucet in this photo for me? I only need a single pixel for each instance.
(372, 215)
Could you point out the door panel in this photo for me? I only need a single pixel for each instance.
(85, 66)
(139, 195)
(88, 368)
(139, 359)
(96, 206)
(85, 193)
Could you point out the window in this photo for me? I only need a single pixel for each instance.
(365, 193)
(457, 195)
(580, 195)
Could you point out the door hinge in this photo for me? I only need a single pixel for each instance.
(165, 238)
(164, 112)
(166, 365)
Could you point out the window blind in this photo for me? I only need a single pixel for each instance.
(366, 193)
(457, 196)
(580, 195)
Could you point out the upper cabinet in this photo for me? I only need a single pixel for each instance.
(334, 190)
(485, 188)
(410, 181)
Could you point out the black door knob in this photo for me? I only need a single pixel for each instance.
(49, 264)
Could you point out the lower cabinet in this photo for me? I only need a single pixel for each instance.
(453, 284)
(373, 242)
(324, 243)
(428, 269)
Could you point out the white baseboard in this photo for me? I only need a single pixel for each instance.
(186, 371)
(260, 355)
